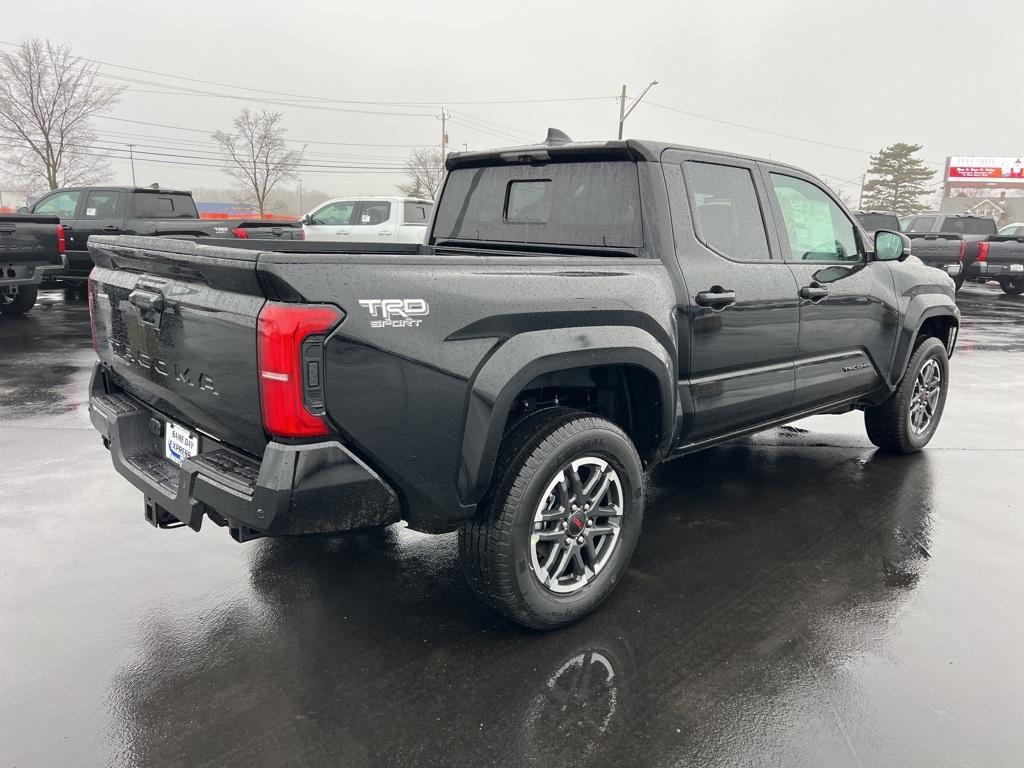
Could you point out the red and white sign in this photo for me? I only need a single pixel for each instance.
(991, 170)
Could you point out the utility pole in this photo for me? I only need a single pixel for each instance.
(444, 133)
(623, 112)
(300, 196)
(131, 157)
(863, 181)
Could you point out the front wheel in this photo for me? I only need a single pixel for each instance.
(906, 422)
(561, 522)
(1013, 287)
(21, 302)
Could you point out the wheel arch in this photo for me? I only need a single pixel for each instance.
(938, 320)
(629, 355)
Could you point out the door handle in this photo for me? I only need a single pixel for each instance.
(112, 229)
(67, 228)
(384, 234)
(716, 298)
(814, 292)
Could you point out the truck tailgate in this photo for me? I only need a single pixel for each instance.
(937, 249)
(29, 239)
(175, 326)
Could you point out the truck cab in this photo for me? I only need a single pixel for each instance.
(369, 220)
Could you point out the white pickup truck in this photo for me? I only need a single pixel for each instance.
(369, 220)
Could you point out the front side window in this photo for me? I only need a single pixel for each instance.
(334, 214)
(818, 229)
(726, 213)
(62, 204)
(374, 212)
(101, 205)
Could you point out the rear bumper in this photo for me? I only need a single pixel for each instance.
(14, 275)
(318, 488)
(988, 270)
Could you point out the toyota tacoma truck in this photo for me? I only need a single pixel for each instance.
(88, 211)
(1001, 258)
(31, 247)
(578, 313)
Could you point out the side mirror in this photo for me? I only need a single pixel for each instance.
(891, 246)
(22, 209)
(306, 219)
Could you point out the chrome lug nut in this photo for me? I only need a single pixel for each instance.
(590, 523)
(579, 539)
(565, 524)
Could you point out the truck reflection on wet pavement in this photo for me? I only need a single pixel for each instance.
(796, 599)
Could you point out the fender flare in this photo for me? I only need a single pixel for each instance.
(910, 331)
(519, 360)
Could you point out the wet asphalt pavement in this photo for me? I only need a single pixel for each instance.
(796, 600)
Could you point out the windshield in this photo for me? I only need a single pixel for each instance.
(579, 204)
(969, 225)
(873, 222)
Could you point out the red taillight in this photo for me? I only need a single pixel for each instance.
(62, 243)
(92, 312)
(241, 233)
(982, 252)
(282, 329)
(963, 250)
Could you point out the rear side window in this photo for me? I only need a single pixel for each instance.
(873, 222)
(921, 224)
(581, 204)
(147, 205)
(374, 212)
(417, 213)
(969, 225)
(101, 204)
(726, 213)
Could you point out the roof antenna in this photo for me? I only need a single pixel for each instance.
(556, 136)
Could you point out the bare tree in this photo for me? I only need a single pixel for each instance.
(257, 156)
(425, 169)
(47, 99)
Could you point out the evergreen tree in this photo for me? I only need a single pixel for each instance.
(896, 180)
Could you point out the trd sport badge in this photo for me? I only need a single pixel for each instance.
(396, 313)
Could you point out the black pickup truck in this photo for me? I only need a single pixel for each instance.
(88, 211)
(578, 313)
(31, 247)
(949, 241)
(1001, 258)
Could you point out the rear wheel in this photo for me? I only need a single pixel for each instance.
(1013, 286)
(556, 532)
(906, 422)
(21, 302)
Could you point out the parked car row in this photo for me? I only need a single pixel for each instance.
(964, 246)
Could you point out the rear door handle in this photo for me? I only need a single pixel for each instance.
(112, 229)
(814, 292)
(716, 298)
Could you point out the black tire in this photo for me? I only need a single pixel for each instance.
(20, 304)
(1013, 287)
(497, 548)
(889, 424)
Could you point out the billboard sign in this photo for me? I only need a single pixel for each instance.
(986, 170)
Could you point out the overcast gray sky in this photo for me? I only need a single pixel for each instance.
(858, 74)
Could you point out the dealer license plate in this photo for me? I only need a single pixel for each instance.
(179, 443)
